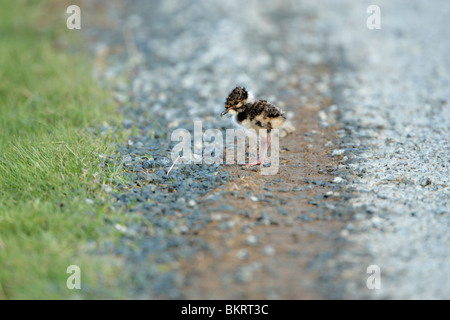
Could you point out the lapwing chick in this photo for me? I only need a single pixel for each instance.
(254, 114)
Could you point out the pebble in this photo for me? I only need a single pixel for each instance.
(216, 216)
(245, 274)
(243, 254)
(425, 182)
(329, 194)
(251, 239)
(338, 180)
(121, 228)
(268, 251)
(322, 115)
(337, 152)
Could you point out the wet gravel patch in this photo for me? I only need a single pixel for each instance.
(161, 208)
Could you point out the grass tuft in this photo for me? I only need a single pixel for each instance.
(53, 212)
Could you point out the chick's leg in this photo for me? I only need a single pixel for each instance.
(258, 162)
(265, 142)
(263, 152)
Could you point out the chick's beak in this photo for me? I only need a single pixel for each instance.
(224, 112)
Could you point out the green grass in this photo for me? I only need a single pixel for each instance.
(49, 163)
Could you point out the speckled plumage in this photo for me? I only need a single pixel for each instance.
(261, 115)
(255, 114)
(239, 94)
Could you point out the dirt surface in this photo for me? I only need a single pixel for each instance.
(268, 253)
(366, 187)
(266, 237)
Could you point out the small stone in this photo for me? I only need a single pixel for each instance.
(121, 228)
(344, 159)
(425, 182)
(243, 254)
(191, 203)
(377, 222)
(231, 224)
(329, 194)
(344, 233)
(338, 180)
(244, 275)
(107, 189)
(216, 216)
(269, 251)
(127, 161)
(337, 152)
(251, 239)
(183, 229)
(322, 115)
(359, 216)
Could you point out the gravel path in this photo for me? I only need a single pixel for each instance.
(390, 87)
(171, 74)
